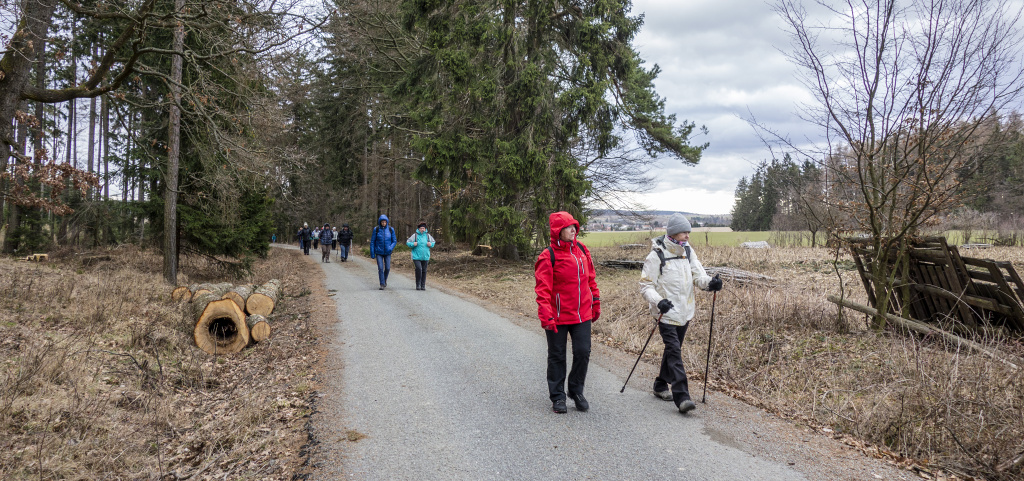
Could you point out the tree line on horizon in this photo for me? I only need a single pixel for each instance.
(786, 195)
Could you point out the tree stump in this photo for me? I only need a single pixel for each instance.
(264, 298)
(181, 293)
(221, 328)
(259, 328)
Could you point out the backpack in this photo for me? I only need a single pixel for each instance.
(552, 254)
(661, 255)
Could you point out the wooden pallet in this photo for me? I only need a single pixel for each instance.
(936, 284)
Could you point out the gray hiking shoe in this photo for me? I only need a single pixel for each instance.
(687, 406)
(663, 395)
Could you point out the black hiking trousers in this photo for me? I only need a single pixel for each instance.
(557, 342)
(421, 274)
(672, 371)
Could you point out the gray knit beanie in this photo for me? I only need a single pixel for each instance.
(676, 224)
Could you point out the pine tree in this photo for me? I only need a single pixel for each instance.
(503, 92)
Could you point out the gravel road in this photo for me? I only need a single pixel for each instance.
(444, 388)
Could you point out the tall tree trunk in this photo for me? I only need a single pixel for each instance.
(105, 151)
(125, 183)
(92, 142)
(174, 151)
(14, 239)
(15, 73)
(37, 136)
(71, 133)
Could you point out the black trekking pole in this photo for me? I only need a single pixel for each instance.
(641, 353)
(707, 363)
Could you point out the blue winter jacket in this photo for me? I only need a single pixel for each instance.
(383, 241)
(424, 242)
(326, 236)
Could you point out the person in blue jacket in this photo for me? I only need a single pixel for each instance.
(421, 243)
(382, 243)
(326, 239)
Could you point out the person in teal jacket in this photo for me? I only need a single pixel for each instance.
(421, 243)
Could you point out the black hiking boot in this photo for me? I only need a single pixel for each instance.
(559, 406)
(687, 406)
(581, 402)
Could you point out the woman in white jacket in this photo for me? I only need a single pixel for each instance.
(671, 272)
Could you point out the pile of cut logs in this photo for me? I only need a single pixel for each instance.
(228, 316)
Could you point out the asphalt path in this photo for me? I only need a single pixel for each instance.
(444, 389)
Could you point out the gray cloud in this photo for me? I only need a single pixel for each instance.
(720, 63)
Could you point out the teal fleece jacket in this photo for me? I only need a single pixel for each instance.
(424, 242)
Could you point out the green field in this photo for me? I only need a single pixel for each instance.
(603, 239)
(776, 239)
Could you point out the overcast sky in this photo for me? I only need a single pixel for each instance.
(719, 60)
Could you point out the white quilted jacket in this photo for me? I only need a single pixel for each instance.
(674, 282)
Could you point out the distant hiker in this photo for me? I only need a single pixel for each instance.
(344, 242)
(326, 239)
(305, 237)
(273, 238)
(334, 237)
(421, 243)
(382, 243)
(667, 282)
(568, 302)
(316, 238)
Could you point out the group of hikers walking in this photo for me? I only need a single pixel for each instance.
(382, 243)
(569, 302)
(568, 299)
(327, 238)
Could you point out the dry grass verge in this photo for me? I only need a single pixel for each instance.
(99, 377)
(783, 347)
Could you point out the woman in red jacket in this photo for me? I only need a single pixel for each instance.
(567, 303)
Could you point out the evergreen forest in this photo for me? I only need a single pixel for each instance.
(209, 127)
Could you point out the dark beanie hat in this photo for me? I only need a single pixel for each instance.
(421, 224)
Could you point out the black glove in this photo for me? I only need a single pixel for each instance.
(715, 284)
(664, 305)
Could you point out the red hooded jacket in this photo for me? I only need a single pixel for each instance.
(568, 293)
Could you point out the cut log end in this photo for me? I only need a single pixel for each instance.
(263, 300)
(259, 328)
(180, 294)
(221, 328)
(236, 298)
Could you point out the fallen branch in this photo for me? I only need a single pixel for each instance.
(923, 328)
